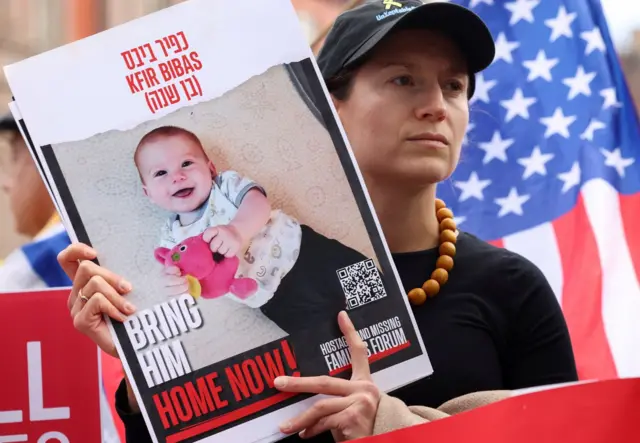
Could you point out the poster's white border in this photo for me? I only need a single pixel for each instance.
(58, 132)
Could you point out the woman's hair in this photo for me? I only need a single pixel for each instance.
(340, 84)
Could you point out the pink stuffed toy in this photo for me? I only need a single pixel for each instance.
(214, 272)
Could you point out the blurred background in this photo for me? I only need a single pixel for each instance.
(28, 27)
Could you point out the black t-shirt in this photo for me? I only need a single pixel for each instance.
(496, 324)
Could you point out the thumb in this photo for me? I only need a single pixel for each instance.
(102, 338)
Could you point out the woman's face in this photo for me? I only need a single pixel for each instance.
(407, 111)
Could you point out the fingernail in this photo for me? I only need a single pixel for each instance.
(125, 285)
(90, 253)
(280, 382)
(129, 307)
(284, 427)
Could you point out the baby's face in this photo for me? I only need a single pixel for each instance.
(176, 173)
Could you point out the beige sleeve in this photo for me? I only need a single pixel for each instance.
(394, 414)
(472, 401)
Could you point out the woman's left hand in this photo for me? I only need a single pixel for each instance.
(351, 414)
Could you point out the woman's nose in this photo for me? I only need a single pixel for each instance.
(431, 104)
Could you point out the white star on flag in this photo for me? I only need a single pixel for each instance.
(594, 125)
(535, 164)
(496, 148)
(580, 83)
(615, 160)
(475, 3)
(540, 67)
(594, 41)
(571, 178)
(512, 203)
(561, 25)
(465, 140)
(517, 106)
(504, 48)
(610, 100)
(482, 88)
(521, 10)
(459, 219)
(472, 187)
(558, 123)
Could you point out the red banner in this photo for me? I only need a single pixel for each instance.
(605, 411)
(50, 392)
(49, 373)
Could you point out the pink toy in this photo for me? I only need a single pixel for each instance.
(214, 272)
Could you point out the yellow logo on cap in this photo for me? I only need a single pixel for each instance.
(389, 3)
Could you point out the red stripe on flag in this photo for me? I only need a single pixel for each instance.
(582, 294)
(630, 209)
(497, 243)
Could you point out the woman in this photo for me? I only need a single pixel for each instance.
(401, 75)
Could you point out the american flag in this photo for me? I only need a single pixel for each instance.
(549, 169)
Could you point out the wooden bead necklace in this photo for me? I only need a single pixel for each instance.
(444, 264)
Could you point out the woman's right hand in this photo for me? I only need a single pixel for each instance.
(96, 291)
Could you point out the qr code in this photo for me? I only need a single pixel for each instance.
(361, 283)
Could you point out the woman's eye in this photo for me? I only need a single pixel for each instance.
(403, 80)
(456, 85)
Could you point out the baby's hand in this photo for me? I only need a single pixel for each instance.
(224, 239)
(171, 270)
(174, 283)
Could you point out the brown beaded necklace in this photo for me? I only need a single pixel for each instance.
(444, 264)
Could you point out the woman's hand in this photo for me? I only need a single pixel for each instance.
(96, 291)
(351, 414)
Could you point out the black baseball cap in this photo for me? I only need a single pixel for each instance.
(8, 123)
(357, 31)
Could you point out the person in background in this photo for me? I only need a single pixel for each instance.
(34, 264)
